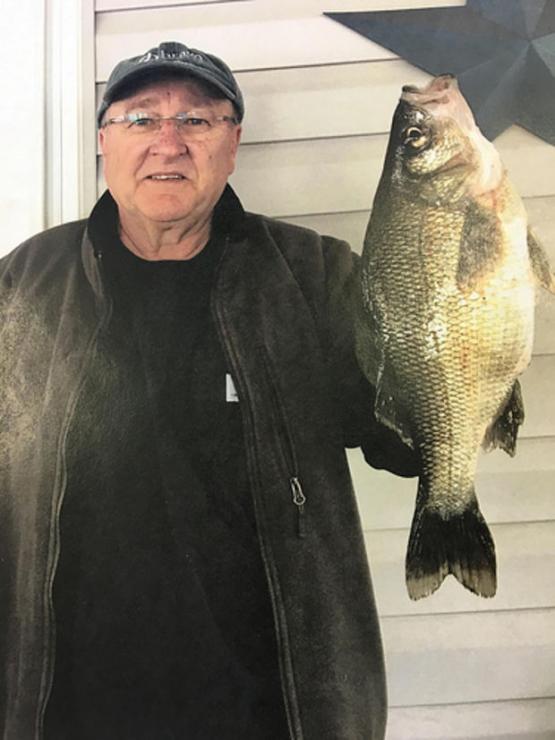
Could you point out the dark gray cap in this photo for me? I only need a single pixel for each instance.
(173, 57)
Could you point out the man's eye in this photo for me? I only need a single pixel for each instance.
(196, 122)
(142, 122)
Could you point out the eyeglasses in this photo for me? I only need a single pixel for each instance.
(197, 126)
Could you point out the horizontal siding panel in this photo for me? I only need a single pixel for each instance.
(317, 176)
(525, 567)
(232, 32)
(335, 100)
(348, 226)
(532, 454)
(386, 501)
(510, 489)
(544, 339)
(341, 174)
(529, 160)
(528, 719)
(541, 215)
(242, 33)
(299, 6)
(459, 658)
(537, 383)
(152, 5)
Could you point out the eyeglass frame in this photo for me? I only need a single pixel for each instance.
(178, 117)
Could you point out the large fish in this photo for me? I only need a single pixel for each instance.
(445, 321)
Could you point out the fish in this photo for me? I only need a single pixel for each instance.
(444, 321)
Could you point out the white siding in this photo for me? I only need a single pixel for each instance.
(319, 102)
(532, 719)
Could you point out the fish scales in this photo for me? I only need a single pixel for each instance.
(445, 321)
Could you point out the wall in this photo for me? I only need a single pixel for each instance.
(319, 102)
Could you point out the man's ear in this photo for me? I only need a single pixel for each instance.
(236, 140)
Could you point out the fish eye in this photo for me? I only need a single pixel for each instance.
(415, 138)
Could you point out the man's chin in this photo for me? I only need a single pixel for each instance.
(167, 213)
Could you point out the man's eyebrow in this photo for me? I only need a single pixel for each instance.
(141, 103)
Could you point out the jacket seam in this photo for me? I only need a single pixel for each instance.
(312, 306)
(49, 652)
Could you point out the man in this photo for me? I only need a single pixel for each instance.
(181, 552)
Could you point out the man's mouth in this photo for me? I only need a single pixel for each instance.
(172, 176)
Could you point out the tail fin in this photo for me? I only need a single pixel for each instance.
(461, 545)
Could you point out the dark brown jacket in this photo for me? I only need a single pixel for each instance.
(281, 305)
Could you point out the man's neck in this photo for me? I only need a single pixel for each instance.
(171, 242)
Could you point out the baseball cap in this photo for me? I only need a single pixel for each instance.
(174, 57)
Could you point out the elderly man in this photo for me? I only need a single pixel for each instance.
(181, 555)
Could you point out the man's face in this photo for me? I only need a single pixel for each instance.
(130, 162)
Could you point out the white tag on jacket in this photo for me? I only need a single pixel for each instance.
(230, 390)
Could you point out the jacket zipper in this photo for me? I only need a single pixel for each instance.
(284, 653)
(299, 499)
(295, 485)
(48, 668)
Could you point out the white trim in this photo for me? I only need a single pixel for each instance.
(22, 54)
(70, 103)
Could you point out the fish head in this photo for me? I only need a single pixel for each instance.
(436, 148)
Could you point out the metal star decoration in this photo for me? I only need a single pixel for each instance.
(501, 51)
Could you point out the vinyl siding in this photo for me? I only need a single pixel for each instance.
(319, 101)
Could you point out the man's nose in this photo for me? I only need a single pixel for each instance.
(168, 136)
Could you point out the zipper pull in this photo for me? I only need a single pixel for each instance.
(299, 499)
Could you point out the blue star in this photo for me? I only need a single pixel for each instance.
(501, 51)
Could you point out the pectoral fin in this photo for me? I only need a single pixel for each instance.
(480, 247)
(540, 263)
(371, 351)
(368, 350)
(388, 408)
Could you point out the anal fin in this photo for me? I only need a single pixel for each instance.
(504, 430)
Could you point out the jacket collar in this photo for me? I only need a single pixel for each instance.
(228, 222)
(228, 219)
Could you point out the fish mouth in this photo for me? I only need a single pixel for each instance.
(433, 92)
(441, 98)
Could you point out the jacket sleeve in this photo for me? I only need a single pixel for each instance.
(352, 393)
